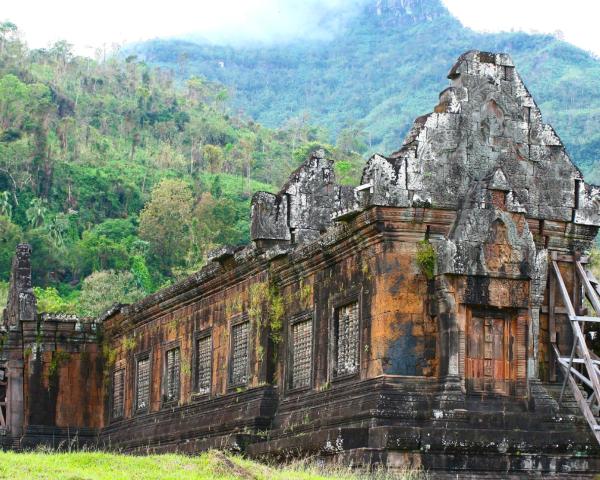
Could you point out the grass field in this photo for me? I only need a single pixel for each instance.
(211, 465)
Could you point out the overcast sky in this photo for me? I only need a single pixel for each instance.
(92, 24)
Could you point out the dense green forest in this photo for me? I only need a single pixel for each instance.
(122, 180)
(384, 67)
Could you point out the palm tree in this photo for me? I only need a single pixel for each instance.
(36, 213)
(5, 205)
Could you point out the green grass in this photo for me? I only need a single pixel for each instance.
(211, 465)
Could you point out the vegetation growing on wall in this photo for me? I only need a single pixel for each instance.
(265, 295)
(59, 358)
(426, 258)
(109, 356)
(276, 311)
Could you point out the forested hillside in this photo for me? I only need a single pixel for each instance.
(122, 181)
(385, 67)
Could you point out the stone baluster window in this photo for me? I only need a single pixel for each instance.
(203, 364)
(346, 340)
(172, 380)
(301, 354)
(239, 354)
(143, 384)
(118, 390)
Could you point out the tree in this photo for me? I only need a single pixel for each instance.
(216, 188)
(57, 227)
(213, 155)
(217, 221)
(103, 289)
(10, 236)
(5, 205)
(36, 213)
(14, 102)
(8, 32)
(99, 252)
(352, 140)
(48, 300)
(165, 223)
(48, 263)
(115, 229)
(4, 288)
(140, 271)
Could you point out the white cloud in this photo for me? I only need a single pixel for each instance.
(89, 25)
(577, 20)
(92, 24)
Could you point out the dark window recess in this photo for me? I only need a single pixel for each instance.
(172, 375)
(301, 354)
(239, 354)
(118, 393)
(143, 384)
(346, 335)
(203, 364)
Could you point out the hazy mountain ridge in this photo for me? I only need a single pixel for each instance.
(385, 67)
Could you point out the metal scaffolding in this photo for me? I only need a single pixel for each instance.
(581, 369)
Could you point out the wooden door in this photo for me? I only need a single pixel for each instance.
(487, 353)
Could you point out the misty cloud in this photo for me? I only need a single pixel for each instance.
(277, 21)
(240, 21)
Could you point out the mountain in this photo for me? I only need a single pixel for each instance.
(385, 66)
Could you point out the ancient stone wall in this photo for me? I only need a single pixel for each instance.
(63, 369)
(303, 208)
(54, 365)
(180, 327)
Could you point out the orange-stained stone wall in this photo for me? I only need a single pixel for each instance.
(403, 334)
(63, 387)
(398, 336)
(374, 263)
(176, 328)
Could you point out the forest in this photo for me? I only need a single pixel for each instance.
(122, 179)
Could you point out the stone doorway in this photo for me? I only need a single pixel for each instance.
(488, 352)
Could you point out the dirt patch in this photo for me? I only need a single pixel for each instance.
(223, 465)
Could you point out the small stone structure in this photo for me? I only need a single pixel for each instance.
(406, 322)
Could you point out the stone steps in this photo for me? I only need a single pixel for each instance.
(569, 404)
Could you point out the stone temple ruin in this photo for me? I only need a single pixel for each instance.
(434, 316)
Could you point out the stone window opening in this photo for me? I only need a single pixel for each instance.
(142, 397)
(118, 391)
(203, 364)
(346, 337)
(172, 375)
(238, 369)
(300, 358)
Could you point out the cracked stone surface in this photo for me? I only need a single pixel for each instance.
(486, 126)
(303, 208)
(485, 122)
